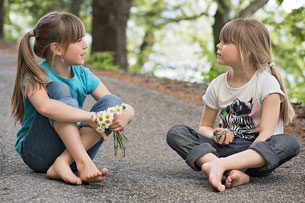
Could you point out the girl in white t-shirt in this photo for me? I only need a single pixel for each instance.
(249, 107)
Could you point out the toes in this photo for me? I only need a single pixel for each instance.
(97, 177)
(228, 182)
(221, 188)
(76, 181)
(104, 172)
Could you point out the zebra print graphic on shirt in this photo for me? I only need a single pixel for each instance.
(236, 118)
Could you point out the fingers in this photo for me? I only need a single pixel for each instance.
(226, 138)
(222, 139)
(118, 125)
(217, 130)
(231, 135)
(116, 129)
(104, 136)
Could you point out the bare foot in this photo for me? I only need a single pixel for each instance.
(89, 173)
(236, 178)
(214, 171)
(60, 170)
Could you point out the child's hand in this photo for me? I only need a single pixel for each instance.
(94, 125)
(223, 136)
(119, 122)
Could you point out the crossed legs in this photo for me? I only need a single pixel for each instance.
(77, 143)
(239, 159)
(235, 164)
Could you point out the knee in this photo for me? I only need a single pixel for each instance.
(293, 143)
(61, 92)
(106, 101)
(58, 90)
(111, 100)
(287, 143)
(173, 134)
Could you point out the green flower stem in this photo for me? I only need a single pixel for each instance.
(119, 142)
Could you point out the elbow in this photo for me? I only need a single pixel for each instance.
(44, 110)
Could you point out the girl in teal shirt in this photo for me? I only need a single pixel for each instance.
(56, 136)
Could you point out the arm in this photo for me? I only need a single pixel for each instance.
(54, 109)
(120, 121)
(270, 116)
(208, 118)
(100, 91)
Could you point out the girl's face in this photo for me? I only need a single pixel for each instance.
(75, 54)
(228, 54)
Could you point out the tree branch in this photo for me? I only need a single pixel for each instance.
(252, 8)
(181, 18)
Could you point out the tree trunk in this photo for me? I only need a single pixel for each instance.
(145, 49)
(221, 18)
(2, 20)
(222, 15)
(75, 6)
(109, 23)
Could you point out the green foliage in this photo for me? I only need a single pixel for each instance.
(85, 14)
(147, 19)
(150, 18)
(103, 60)
(21, 15)
(288, 38)
(209, 55)
(149, 25)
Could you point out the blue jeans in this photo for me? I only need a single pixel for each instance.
(191, 145)
(42, 145)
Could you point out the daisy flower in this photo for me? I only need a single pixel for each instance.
(104, 119)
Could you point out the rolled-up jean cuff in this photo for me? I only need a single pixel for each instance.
(198, 152)
(267, 152)
(67, 100)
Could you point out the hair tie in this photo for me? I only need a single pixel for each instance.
(271, 64)
(32, 33)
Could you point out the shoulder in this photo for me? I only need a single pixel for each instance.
(44, 64)
(265, 75)
(212, 93)
(266, 79)
(220, 79)
(269, 84)
(80, 69)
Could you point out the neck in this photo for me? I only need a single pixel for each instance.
(240, 76)
(64, 70)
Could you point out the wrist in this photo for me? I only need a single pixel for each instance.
(129, 112)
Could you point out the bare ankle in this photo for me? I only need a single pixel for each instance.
(63, 159)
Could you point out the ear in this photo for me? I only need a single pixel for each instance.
(56, 49)
(248, 53)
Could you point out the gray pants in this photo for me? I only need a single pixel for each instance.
(191, 145)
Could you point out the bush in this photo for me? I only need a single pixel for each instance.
(103, 60)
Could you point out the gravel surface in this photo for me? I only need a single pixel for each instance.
(150, 172)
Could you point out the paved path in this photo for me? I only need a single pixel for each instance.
(151, 171)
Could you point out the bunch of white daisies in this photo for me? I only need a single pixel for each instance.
(104, 119)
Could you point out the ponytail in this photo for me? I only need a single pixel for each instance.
(28, 73)
(286, 111)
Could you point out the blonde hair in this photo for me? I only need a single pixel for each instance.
(61, 28)
(251, 36)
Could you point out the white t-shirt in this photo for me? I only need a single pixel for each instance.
(240, 109)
